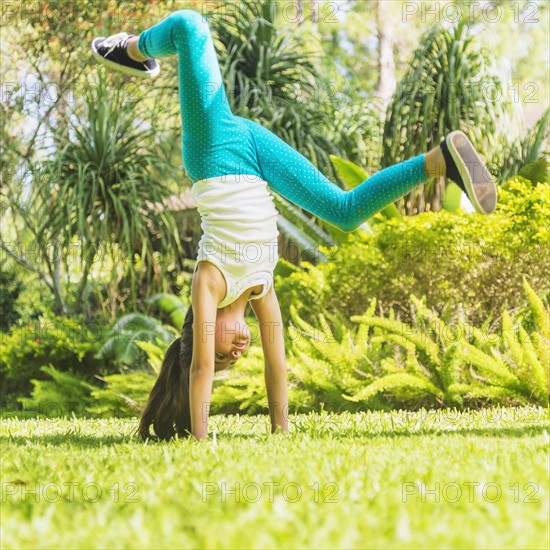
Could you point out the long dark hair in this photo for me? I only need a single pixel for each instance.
(168, 407)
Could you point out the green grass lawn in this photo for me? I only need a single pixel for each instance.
(429, 479)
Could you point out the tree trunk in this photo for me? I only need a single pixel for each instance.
(386, 64)
(315, 7)
(300, 14)
(81, 303)
(60, 307)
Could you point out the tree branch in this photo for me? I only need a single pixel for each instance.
(21, 260)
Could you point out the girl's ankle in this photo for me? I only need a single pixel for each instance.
(133, 51)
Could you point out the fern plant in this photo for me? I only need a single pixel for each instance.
(123, 395)
(333, 358)
(470, 365)
(382, 362)
(63, 394)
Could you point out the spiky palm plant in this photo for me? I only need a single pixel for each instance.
(450, 84)
(272, 79)
(105, 178)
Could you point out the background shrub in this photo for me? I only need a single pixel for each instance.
(68, 344)
(453, 259)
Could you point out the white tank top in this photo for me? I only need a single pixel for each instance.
(239, 224)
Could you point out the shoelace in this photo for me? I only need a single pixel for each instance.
(114, 42)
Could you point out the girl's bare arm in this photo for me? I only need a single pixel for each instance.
(204, 297)
(268, 312)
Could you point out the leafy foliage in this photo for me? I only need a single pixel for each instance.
(430, 363)
(121, 342)
(10, 289)
(68, 344)
(454, 260)
(301, 232)
(450, 84)
(172, 306)
(127, 340)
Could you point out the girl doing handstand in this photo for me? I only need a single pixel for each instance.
(233, 162)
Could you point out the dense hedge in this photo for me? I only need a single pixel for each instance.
(68, 344)
(452, 259)
(369, 362)
(471, 270)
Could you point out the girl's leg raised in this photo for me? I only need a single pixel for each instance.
(203, 101)
(298, 180)
(213, 141)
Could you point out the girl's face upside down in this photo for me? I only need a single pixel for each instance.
(232, 337)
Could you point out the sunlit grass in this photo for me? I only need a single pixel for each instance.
(335, 481)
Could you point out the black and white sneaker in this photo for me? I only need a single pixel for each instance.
(466, 169)
(111, 51)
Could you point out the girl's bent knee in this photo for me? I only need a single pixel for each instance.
(348, 227)
(188, 19)
(345, 226)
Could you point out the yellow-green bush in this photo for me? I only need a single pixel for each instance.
(450, 258)
(68, 344)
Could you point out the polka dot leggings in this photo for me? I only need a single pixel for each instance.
(216, 142)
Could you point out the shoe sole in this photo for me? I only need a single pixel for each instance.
(122, 68)
(480, 185)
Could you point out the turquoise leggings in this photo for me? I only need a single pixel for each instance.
(216, 142)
